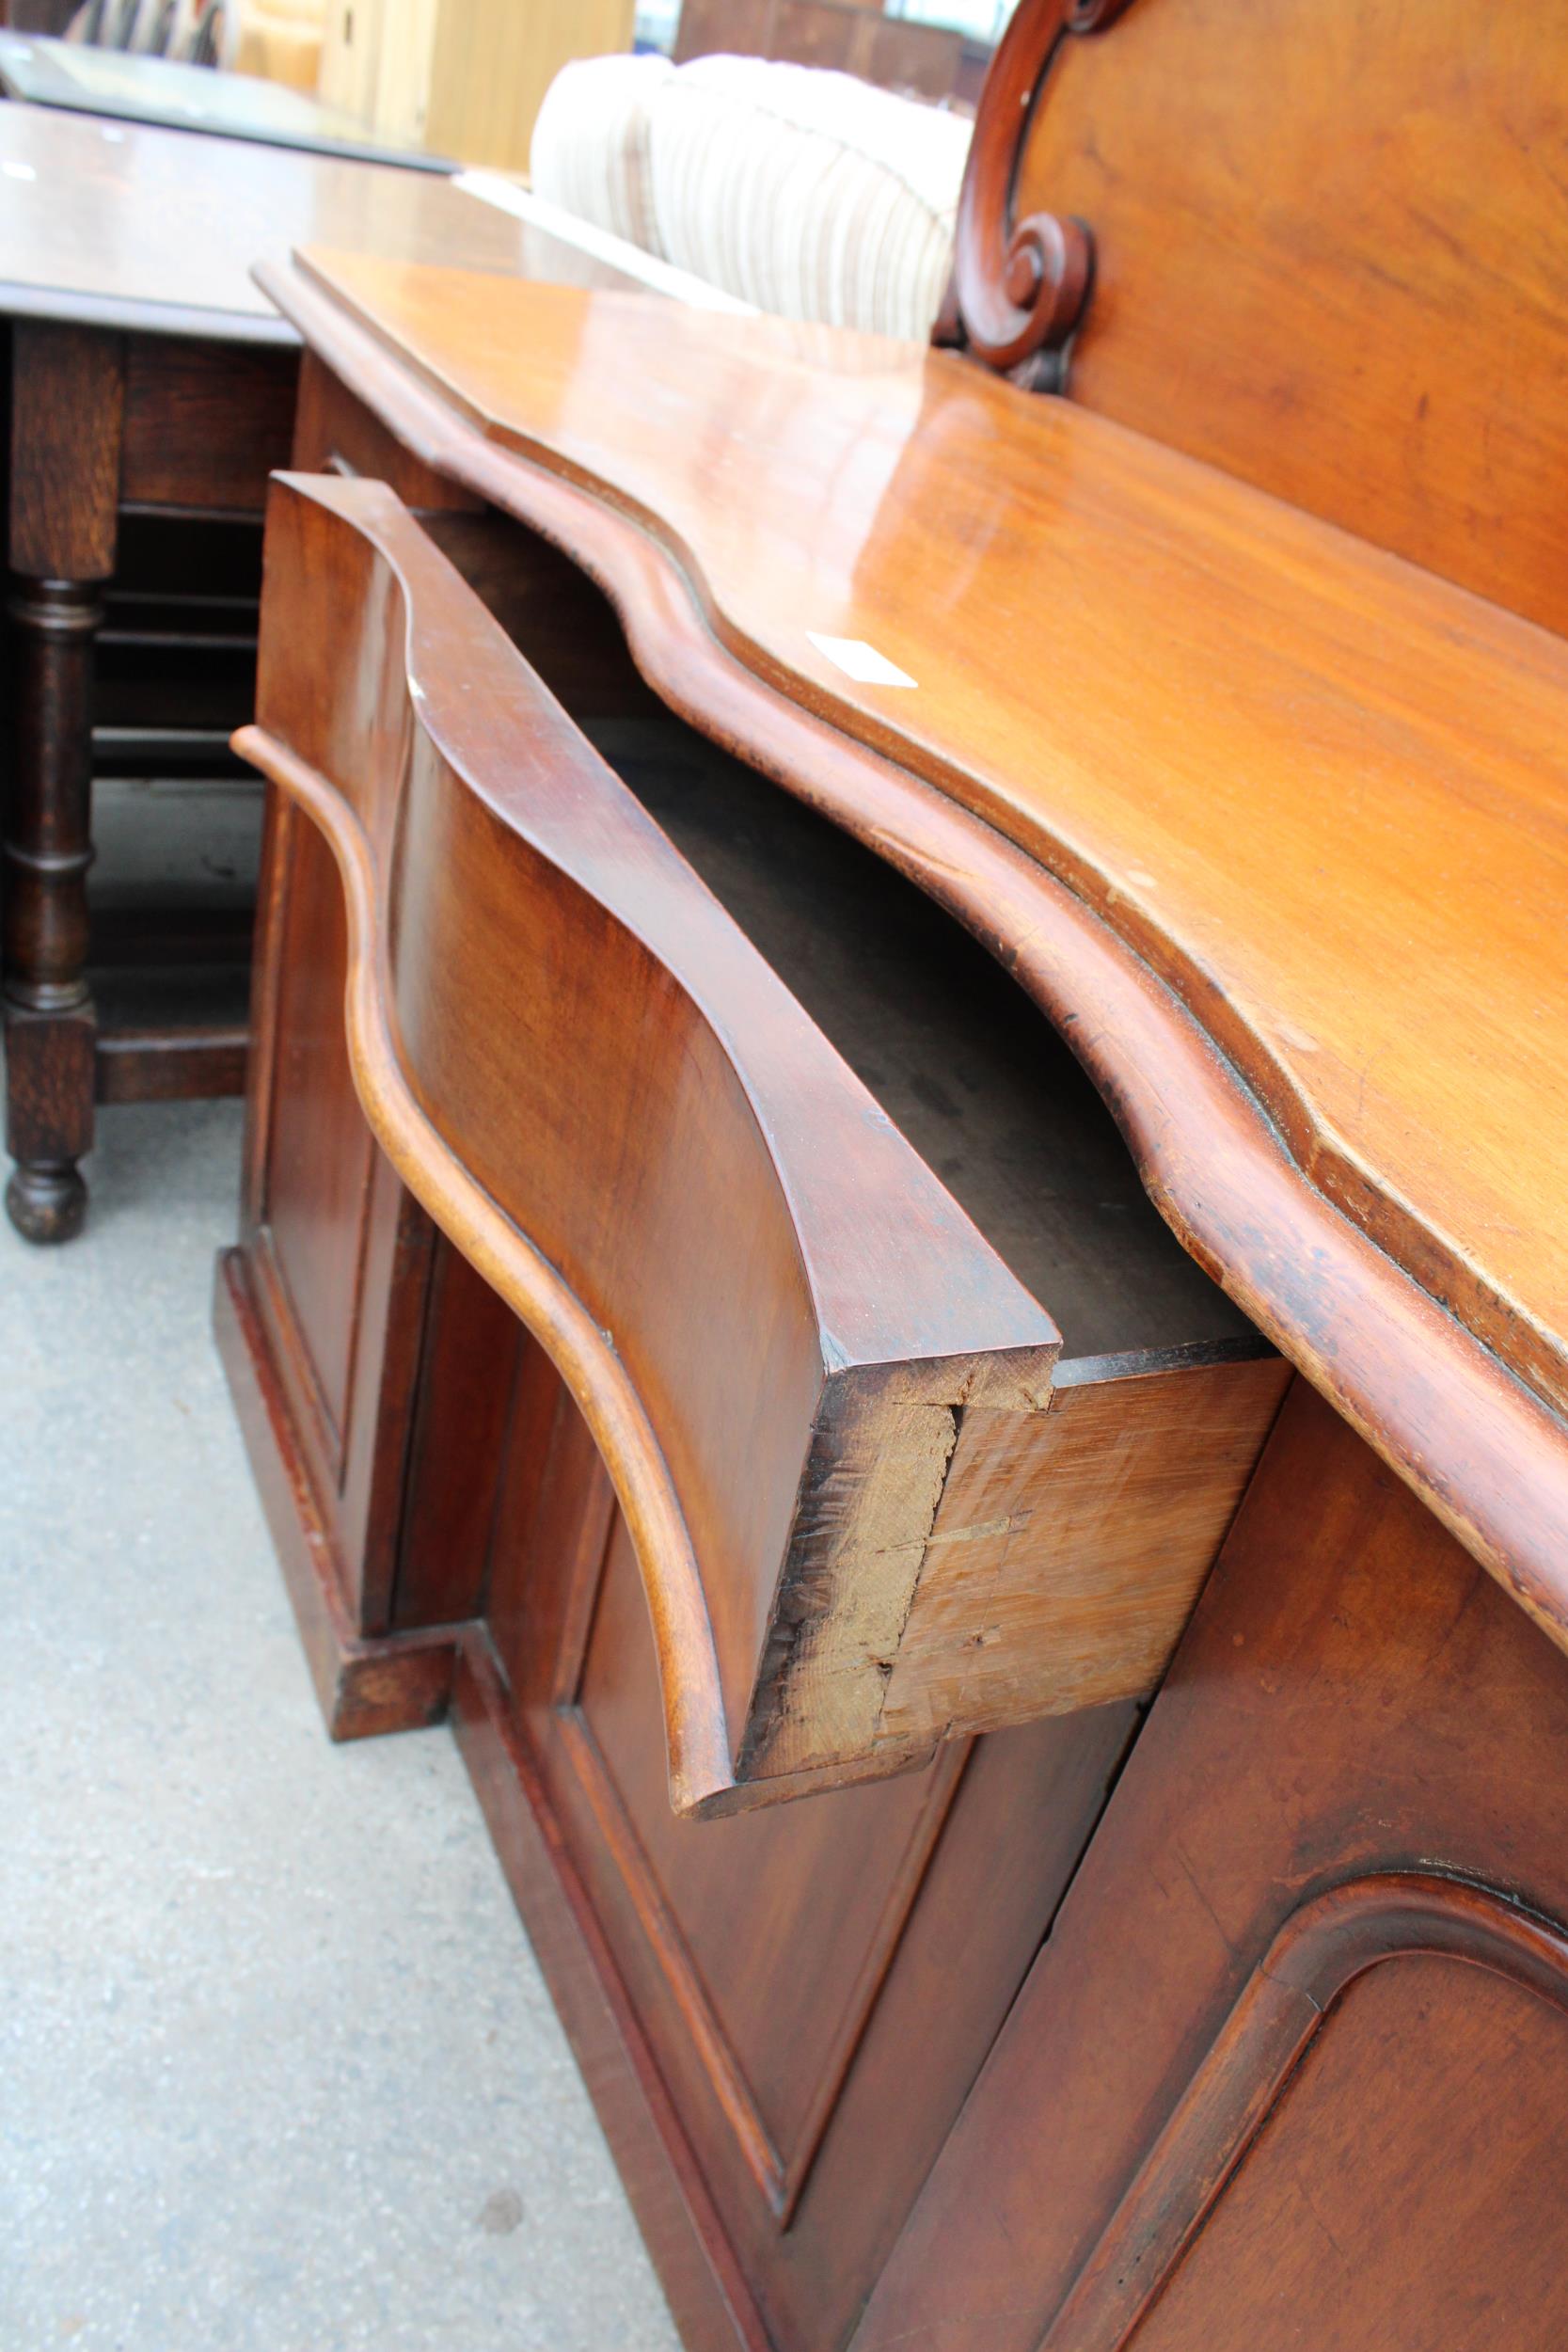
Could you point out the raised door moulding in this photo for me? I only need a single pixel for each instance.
(1318, 1952)
(1020, 286)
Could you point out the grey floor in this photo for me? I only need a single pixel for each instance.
(277, 2069)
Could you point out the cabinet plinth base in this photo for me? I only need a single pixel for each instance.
(366, 1686)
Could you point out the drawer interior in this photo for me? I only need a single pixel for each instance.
(978, 1080)
(958, 1055)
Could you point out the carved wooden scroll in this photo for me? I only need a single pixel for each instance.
(1020, 286)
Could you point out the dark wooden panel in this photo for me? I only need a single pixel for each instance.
(713, 2306)
(344, 1209)
(205, 424)
(769, 2022)
(336, 1254)
(1356, 1711)
(917, 60)
(733, 27)
(67, 407)
(319, 1146)
(469, 1367)
(559, 620)
(171, 935)
(847, 35)
(1408, 2189)
(336, 433)
(786, 1970)
(807, 32)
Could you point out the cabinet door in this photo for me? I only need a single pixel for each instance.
(815, 1983)
(1293, 2069)
(332, 1282)
(336, 1254)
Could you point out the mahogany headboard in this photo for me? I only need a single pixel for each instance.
(1328, 249)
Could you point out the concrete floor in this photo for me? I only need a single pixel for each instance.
(278, 2072)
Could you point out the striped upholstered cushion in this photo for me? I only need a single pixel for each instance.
(806, 193)
(589, 147)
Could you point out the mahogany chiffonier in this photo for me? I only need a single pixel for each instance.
(902, 1208)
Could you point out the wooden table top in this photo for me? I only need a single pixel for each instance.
(121, 225)
(133, 88)
(1321, 792)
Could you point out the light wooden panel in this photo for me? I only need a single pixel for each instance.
(376, 62)
(465, 77)
(494, 61)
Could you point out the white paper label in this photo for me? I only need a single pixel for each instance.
(858, 661)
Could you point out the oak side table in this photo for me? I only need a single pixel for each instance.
(148, 374)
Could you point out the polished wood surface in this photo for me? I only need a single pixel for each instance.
(123, 225)
(1268, 797)
(1329, 258)
(1292, 2068)
(1432, 2064)
(1332, 762)
(813, 1487)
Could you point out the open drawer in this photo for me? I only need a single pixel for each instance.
(871, 1505)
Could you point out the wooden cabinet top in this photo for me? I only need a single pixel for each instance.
(1312, 795)
(1326, 794)
(118, 224)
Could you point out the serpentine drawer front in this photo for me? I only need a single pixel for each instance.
(870, 1506)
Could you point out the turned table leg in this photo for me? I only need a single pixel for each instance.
(67, 401)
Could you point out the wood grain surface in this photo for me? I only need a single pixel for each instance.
(1320, 790)
(804, 1365)
(791, 1972)
(1420, 1359)
(1329, 257)
(1292, 2068)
